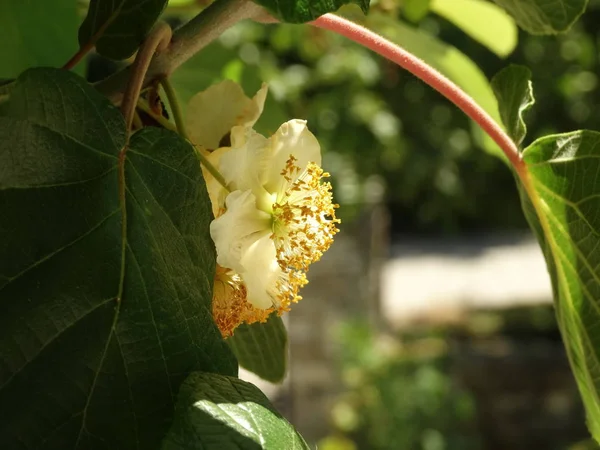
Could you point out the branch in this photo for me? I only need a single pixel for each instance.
(157, 40)
(187, 41)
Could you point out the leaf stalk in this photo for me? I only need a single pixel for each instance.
(427, 74)
(157, 40)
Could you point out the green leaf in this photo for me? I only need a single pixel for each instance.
(449, 61)
(261, 348)
(299, 11)
(104, 293)
(118, 27)
(36, 33)
(560, 193)
(415, 10)
(222, 413)
(512, 86)
(544, 16)
(483, 21)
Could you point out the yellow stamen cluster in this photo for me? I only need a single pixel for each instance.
(304, 225)
(230, 307)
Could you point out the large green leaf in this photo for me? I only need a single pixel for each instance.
(483, 21)
(449, 61)
(512, 87)
(261, 348)
(560, 194)
(117, 27)
(544, 16)
(299, 11)
(106, 270)
(223, 413)
(561, 197)
(36, 33)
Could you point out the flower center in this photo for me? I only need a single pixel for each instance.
(304, 223)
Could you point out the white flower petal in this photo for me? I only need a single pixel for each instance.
(212, 113)
(292, 138)
(245, 166)
(238, 228)
(261, 272)
(240, 166)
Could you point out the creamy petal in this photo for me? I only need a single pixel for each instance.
(238, 228)
(212, 113)
(261, 272)
(245, 166)
(251, 116)
(292, 138)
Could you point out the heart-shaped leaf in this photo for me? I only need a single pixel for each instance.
(106, 271)
(216, 412)
(117, 27)
(561, 197)
(261, 348)
(560, 193)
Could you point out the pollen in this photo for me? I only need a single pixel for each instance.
(230, 307)
(304, 225)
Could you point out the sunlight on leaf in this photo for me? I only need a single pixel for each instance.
(483, 21)
(219, 412)
(561, 197)
(559, 184)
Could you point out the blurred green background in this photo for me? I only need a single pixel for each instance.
(496, 381)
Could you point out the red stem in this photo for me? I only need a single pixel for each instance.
(79, 55)
(429, 75)
(89, 45)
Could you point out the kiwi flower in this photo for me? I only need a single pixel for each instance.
(273, 218)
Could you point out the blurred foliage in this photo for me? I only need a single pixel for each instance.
(399, 396)
(588, 444)
(378, 123)
(410, 390)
